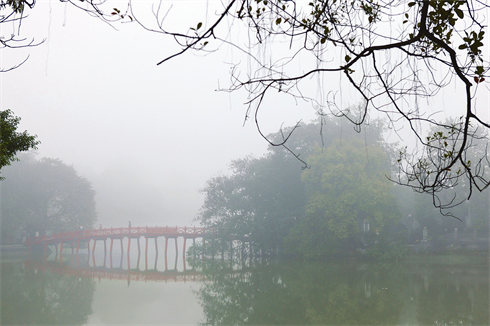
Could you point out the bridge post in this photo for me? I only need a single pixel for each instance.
(88, 250)
(146, 253)
(122, 249)
(105, 251)
(166, 245)
(93, 249)
(183, 252)
(61, 253)
(55, 252)
(78, 249)
(194, 245)
(110, 252)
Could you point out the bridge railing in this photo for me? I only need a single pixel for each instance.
(137, 231)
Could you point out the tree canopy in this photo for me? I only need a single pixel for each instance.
(12, 141)
(349, 197)
(335, 206)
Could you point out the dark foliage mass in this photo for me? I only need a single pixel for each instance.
(12, 141)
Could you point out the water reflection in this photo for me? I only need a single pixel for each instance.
(34, 297)
(238, 292)
(346, 294)
(99, 273)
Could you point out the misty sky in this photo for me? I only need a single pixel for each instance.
(147, 136)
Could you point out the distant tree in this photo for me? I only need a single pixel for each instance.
(265, 199)
(349, 200)
(45, 195)
(12, 141)
(259, 201)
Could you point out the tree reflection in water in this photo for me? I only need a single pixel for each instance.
(345, 294)
(32, 297)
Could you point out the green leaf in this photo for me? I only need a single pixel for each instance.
(347, 58)
(460, 13)
(278, 20)
(199, 25)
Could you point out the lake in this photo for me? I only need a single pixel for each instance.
(423, 290)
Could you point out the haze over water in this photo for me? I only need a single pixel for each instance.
(250, 292)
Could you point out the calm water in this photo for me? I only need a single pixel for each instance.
(421, 293)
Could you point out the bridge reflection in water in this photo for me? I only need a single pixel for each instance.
(87, 239)
(114, 273)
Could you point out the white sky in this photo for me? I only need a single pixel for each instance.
(147, 136)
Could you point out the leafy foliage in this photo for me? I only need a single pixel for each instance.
(311, 213)
(346, 190)
(12, 141)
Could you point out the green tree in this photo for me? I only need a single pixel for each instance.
(45, 195)
(350, 200)
(264, 197)
(12, 141)
(259, 202)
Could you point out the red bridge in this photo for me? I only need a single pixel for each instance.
(119, 233)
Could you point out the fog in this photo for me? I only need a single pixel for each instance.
(147, 136)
